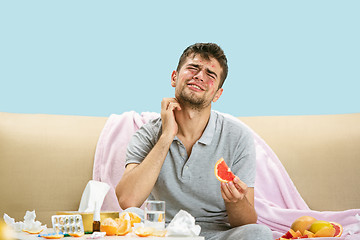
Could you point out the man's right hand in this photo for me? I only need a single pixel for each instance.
(169, 124)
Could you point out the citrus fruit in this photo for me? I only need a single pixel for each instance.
(109, 226)
(318, 225)
(124, 225)
(134, 218)
(302, 223)
(309, 234)
(78, 234)
(223, 172)
(144, 231)
(338, 229)
(325, 232)
(33, 231)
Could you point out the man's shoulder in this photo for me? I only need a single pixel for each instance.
(153, 125)
(230, 121)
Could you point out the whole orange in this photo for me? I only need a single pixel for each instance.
(302, 223)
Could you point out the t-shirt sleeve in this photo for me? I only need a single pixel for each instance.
(244, 165)
(142, 142)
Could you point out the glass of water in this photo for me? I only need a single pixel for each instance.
(155, 214)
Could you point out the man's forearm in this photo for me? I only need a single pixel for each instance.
(241, 212)
(137, 182)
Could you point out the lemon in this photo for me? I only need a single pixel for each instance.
(318, 225)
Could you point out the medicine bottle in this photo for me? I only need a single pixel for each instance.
(96, 223)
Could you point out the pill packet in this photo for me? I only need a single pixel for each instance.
(67, 224)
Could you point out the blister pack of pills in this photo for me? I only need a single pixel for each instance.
(67, 223)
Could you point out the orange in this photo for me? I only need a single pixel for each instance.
(302, 223)
(338, 229)
(124, 225)
(144, 231)
(33, 232)
(109, 226)
(223, 172)
(309, 234)
(78, 234)
(134, 218)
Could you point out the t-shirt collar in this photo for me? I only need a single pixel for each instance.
(208, 134)
(209, 131)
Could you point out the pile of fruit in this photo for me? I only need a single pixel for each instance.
(309, 227)
(125, 224)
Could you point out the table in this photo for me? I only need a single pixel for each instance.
(27, 236)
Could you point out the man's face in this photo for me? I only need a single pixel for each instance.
(197, 82)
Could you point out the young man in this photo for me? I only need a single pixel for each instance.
(172, 158)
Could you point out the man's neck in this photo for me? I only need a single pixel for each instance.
(192, 123)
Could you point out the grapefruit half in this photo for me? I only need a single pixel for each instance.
(338, 229)
(223, 172)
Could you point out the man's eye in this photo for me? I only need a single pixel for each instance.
(212, 76)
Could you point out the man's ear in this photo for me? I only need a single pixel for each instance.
(173, 78)
(218, 94)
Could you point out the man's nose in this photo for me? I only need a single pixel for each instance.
(199, 75)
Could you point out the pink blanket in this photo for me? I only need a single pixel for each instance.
(277, 201)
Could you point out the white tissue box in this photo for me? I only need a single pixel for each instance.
(88, 217)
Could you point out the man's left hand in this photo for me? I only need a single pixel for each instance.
(234, 191)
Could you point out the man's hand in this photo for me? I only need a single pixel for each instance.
(239, 202)
(234, 191)
(169, 125)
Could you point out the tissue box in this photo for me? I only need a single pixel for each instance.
(88, 218)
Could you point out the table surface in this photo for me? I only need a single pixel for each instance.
(27, 236)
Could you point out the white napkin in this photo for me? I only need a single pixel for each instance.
(29, 223)
(94, 192)
(183, 224)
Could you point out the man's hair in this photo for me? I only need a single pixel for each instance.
(206, 51)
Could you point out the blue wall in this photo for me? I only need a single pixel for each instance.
(101, 57)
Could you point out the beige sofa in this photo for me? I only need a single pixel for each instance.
(47, 160)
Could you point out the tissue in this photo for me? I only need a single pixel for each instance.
(94, 191)
(183, 224)
(29, 224)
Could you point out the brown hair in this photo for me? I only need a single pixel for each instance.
(206, 51)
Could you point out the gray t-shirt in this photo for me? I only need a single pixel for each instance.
(188, 182)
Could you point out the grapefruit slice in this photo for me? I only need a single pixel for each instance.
(223, 172)
(338, 229)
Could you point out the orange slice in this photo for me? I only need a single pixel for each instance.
(223, 172)
(109, 226)
(33, 232)
(134, 218)
(78, 234)
(144, 231)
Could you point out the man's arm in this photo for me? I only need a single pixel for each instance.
(139, 179)
(239, 202)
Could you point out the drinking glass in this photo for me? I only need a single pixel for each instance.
(155, 214)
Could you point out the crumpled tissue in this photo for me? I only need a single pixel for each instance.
(94, 192)
(183, 224)
(29, 223)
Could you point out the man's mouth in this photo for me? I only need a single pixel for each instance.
(196, 87)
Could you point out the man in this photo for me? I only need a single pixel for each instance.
(172, 158)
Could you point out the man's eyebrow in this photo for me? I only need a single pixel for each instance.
(207, 70)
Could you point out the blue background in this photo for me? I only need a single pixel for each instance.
(95, 58)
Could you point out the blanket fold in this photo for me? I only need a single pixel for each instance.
(277, 201)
